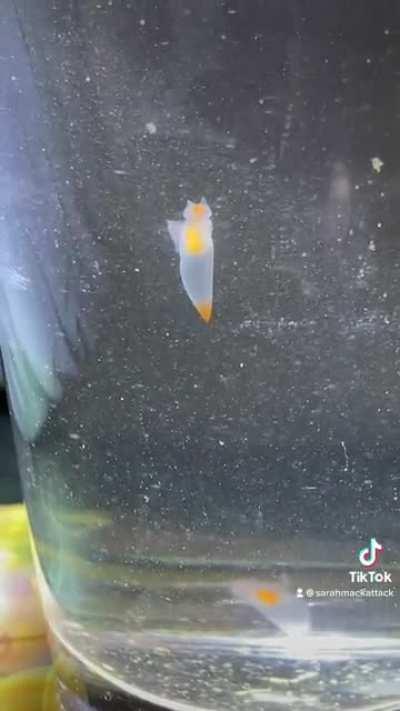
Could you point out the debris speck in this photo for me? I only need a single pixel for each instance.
(74, 435)
(221, 443)
(253, 160)
(142, 22)
(372, 246)
(88, 79)
(377, 164)
(346, 456)
(151, 128)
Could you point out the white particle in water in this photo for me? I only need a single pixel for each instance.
(372, 246)
(221, 443)
(151, 127)
(377, 164)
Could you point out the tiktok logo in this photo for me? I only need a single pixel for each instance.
(369, 557)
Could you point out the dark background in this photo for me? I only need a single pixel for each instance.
(10, 490)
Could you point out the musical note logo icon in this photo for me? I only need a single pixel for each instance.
(369, 557)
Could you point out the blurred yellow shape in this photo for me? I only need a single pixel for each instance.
(15, 549)
(268, 597)
(32, 690)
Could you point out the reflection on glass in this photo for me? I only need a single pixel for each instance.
(39, 339)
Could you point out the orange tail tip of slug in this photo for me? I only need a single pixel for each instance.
(205, 311)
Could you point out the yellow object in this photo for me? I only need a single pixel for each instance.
(21, 615)
(14, 535)
(194, 241)
(31, 690)
(27, 679)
